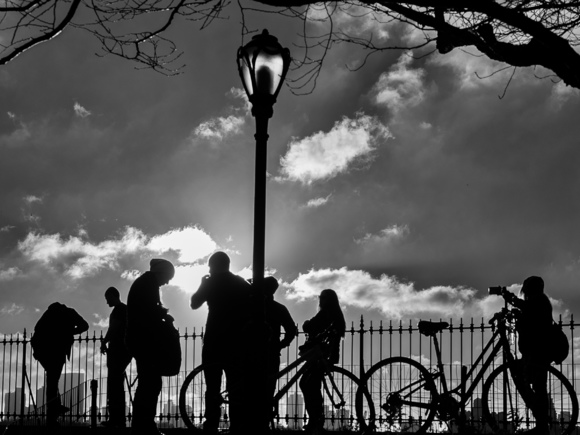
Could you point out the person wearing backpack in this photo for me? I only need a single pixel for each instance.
(534, 325)
(146, 316)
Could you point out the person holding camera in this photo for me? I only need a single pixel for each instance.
(533, 326)
(329, 317)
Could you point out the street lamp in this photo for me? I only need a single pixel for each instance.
(262, 64)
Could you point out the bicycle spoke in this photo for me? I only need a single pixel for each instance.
(402, 393)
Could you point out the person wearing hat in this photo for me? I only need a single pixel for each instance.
(145, 314)
(228, 297)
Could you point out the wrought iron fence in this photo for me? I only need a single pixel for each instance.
(83, 382)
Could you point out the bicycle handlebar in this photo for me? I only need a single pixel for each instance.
(510, 298)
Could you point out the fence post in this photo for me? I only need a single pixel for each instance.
(94, 389)
(23, 380)
(361, 348)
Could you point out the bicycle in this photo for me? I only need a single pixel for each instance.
(339, 390)
(405, 397)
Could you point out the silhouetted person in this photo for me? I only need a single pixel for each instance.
(145, 314)
(533, 326)
(51, 345)
(118, 358)
(329, 318)
(277, 317)
(227, 297)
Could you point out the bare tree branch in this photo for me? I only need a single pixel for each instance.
(518, 33)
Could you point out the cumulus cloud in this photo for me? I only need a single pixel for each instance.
(101, 321)
(130, 275)
(400, 87)
(318, 202)
(219, 128)
(474, 70)
(11, 310)
(80, 258)
(561, 93)
(80, 111)
(31, 199)
(9, 274)
(385, 236)
(325, 155)
(393, 298)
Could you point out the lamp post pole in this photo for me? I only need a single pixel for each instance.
(259, 254)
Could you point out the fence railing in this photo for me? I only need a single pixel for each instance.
(23, 378)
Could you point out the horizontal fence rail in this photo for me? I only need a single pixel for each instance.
(83, 385)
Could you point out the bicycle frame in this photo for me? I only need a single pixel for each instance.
(311, 356)
(496, 343)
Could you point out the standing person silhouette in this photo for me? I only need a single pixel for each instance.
(329, 318)
(118, 358)
(145, 314)
(227, 297)
(277, 317)
(533, 326)
(51, 346)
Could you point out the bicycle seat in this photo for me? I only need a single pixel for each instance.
(431, 328)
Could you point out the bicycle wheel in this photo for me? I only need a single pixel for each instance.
(402, 396)
(192, 404)
(339, 394)
(504, 408)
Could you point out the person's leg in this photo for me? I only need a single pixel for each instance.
(542, 402)
(53, 370)
(311, 385)
(116, 365)
(146, 396)
(213, 380)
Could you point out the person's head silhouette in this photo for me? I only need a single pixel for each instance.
(219, 262)
(328, 300)
(162, 269)
(270, 286)
(533, 286)
(112, 296)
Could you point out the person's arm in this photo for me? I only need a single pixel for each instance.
(80, 324)
(315, 325)
(290, 330)
(199, 297)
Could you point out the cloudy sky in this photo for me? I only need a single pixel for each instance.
(407, 186)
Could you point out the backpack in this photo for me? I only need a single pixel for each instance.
(559, 345)
(167, 350)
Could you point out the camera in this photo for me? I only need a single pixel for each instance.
(497, 290)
